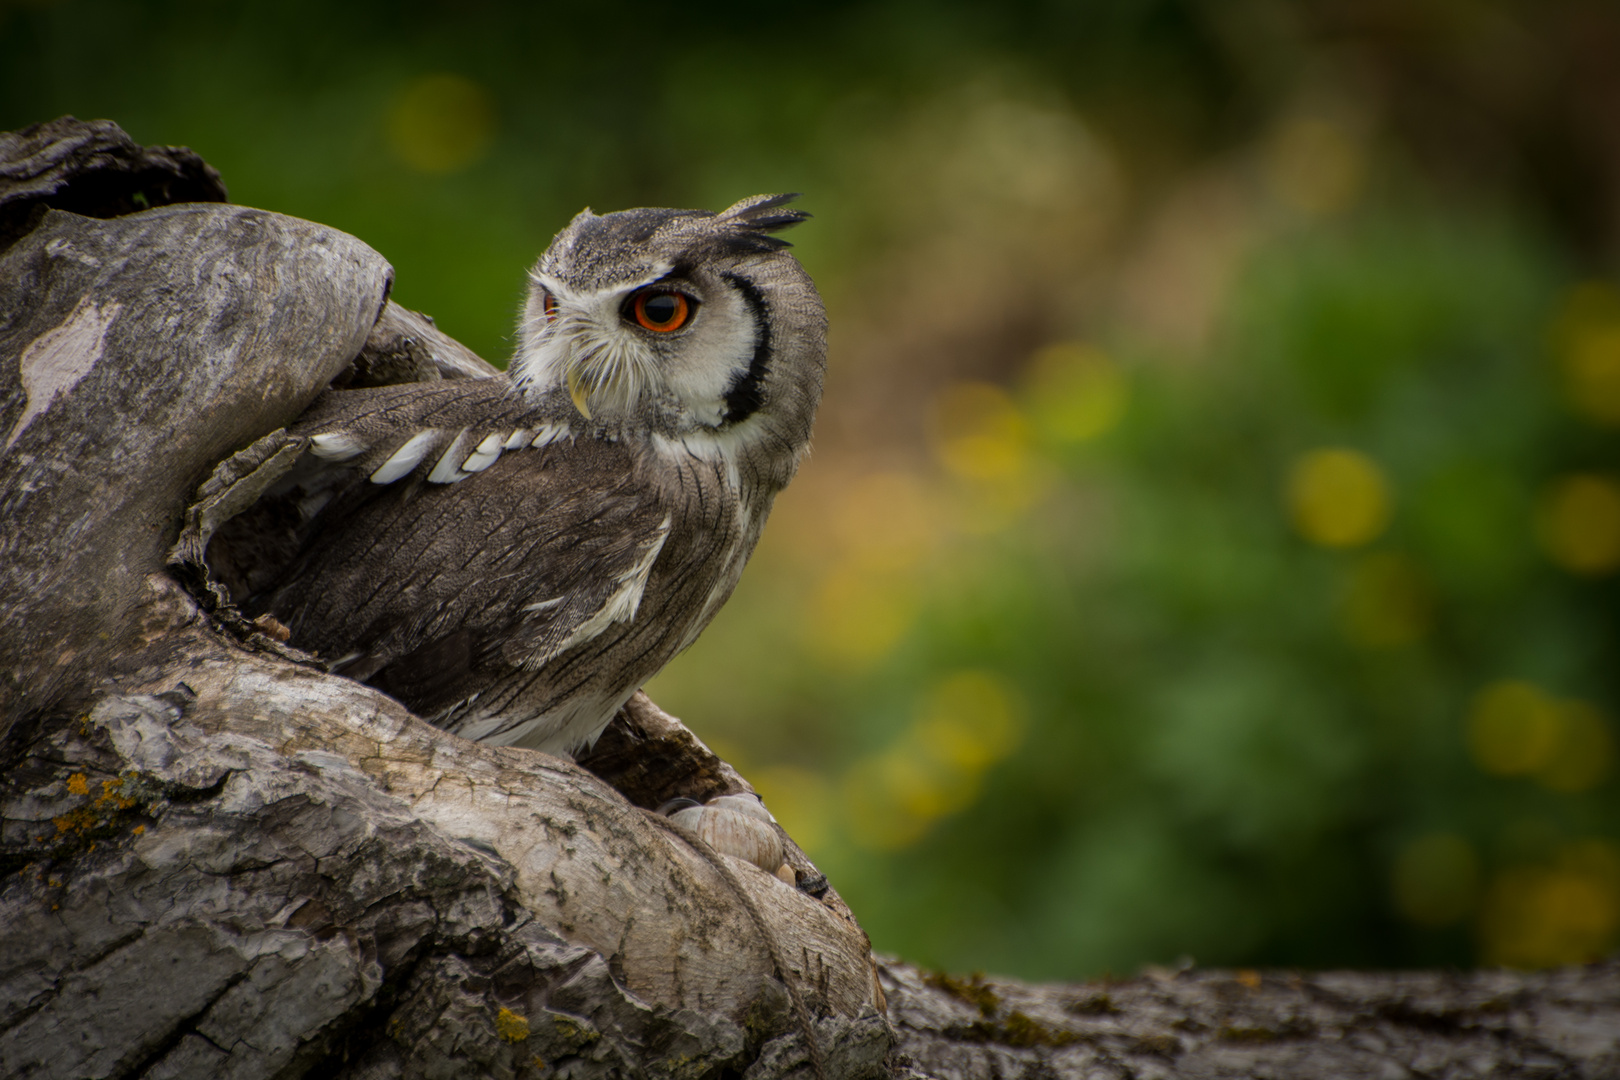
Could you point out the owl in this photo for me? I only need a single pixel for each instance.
(513, 557)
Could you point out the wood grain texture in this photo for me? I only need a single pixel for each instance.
(651, 757)
(134, 354)
(1287, 1025)
(92, 167)
(332, 880)
(405, 346)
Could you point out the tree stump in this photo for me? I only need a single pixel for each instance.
(218, 860)
(222, 860)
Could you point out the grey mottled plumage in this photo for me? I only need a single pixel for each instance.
(512, 558)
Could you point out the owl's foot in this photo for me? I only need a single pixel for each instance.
(736, 825)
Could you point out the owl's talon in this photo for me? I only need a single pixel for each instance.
(735, 825)
(813, 884)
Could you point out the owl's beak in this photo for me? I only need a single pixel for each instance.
(577, 389)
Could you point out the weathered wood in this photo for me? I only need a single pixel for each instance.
(405, 346)
(221, 860)
(1200, 1025)
(325, 872)
(93, 168)
(217, 860)
(651, 757)
(135, 354)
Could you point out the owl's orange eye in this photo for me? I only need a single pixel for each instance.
(662, 310)
(551, 306)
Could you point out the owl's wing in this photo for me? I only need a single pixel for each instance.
(429, 588)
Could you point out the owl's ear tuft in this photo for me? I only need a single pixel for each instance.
(763, 214)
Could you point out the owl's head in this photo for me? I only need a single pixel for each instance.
(678, 322)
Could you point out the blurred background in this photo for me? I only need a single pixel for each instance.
(1210, 545)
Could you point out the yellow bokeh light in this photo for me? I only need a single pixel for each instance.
(1338, 498)
(978, 432)
(1075, 392)
(1584, 755)
(1566, 913)
(966, 722)
(1316, 165)
(799, 799)
(889, 801)
(971, 718)
(931, 792)
(980, 437)
(1513, 728)
(858, 615)
(1588, 333)
(441, 123)
(982, 509)
(1436, 880)
(1388, 603)
(1578, 522)
(886, 521)
(1592, 374)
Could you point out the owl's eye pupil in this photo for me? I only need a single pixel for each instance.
(662, 311)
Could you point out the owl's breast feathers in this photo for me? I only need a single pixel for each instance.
(495, 570)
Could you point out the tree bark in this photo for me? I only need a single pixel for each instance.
(216, 859)
(320, 875)
(1193, 1025)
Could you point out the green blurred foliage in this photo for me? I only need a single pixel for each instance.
(1234, 734)
(1212, 538)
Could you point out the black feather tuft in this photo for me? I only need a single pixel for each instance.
(764, 214)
